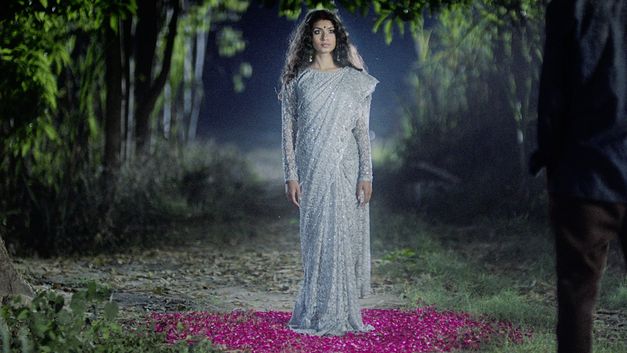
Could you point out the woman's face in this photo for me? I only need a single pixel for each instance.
(323, 36)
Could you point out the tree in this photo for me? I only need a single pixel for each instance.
(180, 104)
(11, 283)
(113, 109)
(159, 34)
(33, 52)
(476, 72)
(147, 89)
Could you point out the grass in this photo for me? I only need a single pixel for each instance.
(616, 298)
(500, 268)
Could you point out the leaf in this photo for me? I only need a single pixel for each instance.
(39, 325)
(377, 24)
(376, 6)
(401, 26)
(238, 83)
(230, 42)
(93, 125)
(388, 31)
(92, 290)
(58, 303)
(246, 70)
(64, 318)
(111, 311)
(113, 23)
(51, 132)
(23, 315)
(78, 305)
(25, 148)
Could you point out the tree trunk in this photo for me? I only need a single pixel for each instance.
(197, 84)
(127, 47)
(521, 69)
(188, 83)
(11, 283)
(146, 35)
(113, 119)
(147, 90)
(167, 111)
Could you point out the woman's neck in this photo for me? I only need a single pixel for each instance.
(323, 62)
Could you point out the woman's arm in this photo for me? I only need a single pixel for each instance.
(361, 131)
(289, 131)
(362, 136)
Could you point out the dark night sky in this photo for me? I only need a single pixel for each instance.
(252, 118)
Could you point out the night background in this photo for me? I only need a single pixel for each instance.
(142, 204)
(253, 117)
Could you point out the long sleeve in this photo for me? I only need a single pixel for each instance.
(361, 131)
(289, 130)
(555, 82)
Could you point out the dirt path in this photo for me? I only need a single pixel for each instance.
(260, 270)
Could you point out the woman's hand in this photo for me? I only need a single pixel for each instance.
(293, 193)
(364, 192)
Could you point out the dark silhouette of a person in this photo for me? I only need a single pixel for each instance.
(582, 142)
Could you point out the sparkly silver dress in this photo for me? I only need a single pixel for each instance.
(326, 148)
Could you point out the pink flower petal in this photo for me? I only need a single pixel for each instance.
(419, 330)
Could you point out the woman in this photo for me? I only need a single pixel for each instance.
(325, 99)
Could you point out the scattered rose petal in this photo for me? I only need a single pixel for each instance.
(418, 330)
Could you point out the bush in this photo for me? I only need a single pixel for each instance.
(474, 189)
(202, 182)
(88, 324)
(468, 131)
(219, 184)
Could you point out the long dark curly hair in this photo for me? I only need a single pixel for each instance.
(301, 48)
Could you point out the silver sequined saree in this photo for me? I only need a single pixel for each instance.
(326, 148)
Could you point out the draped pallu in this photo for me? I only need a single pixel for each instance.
(326, 148)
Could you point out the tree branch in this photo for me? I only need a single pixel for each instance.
(159, 82)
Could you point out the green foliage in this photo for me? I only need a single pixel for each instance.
(36, 42)
(475, 76)
(219, 183)
(87, 324)
(205, 182)
(202, 181)
(204, 17)
(245, 72)
(48, 98)
(52, 102)
(47, 325)
(388, 13)
(230, 42)
(614, 292)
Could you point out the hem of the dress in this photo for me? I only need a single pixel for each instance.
(314, 332)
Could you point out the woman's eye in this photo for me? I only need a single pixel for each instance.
(316, 31)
